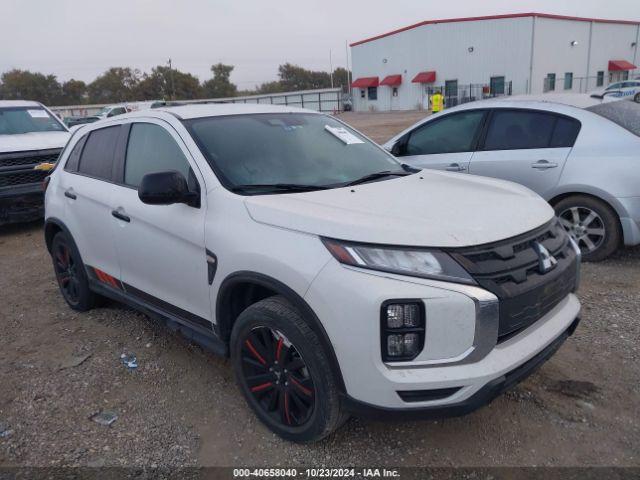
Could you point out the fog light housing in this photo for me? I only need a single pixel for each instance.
(402, 329)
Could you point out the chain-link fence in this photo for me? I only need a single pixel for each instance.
(456, 94)
(571, 84)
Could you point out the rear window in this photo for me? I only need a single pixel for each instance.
(15, 121)
(97, 155)
(625, 114)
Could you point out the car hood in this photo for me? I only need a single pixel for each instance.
(33, 141)
(434, 209)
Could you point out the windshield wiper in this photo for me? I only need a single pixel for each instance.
(279, 187)
(375, 176)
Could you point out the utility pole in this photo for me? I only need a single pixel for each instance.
(346, 51)
(173, 85)
(331, 68)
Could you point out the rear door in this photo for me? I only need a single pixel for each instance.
(161, 247)
(444, 143)
(529, 147)
(88, 191)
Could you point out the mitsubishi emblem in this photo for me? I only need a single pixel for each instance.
(546, 261)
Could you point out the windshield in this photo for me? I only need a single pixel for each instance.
(17, 120)
(625, 114)
(288, 149)
(103, 111)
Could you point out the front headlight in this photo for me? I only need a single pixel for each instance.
(416, 262)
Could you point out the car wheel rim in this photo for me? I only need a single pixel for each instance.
(277, 377)
(585, 226)
(66, 273)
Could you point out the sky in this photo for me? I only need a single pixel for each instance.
(82, 38)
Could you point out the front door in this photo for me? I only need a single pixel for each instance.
(526, 146)
(161, 247)
(444, 143)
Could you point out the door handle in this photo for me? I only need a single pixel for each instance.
(69, 194)
(120, 216)
(543, 165)
(456, 167)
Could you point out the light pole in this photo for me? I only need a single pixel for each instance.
(173, 85)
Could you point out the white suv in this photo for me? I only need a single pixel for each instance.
(338, 280)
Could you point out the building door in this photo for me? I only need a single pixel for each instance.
(451, 93)
(395, 104)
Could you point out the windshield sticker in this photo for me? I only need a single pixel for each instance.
(38, 113)
(343, 134)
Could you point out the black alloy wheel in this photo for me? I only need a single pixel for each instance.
(66, 271)
(277, 376)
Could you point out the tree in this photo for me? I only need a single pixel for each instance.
(115, 85)
(294, 78)
(168, 84)
(74, 92)
(220, 85)
(340, 77)
(26, 85)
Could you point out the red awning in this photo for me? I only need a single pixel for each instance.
(392, 80)
(365, 82)
(617, 65)
(425, 77)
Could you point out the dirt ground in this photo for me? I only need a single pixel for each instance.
(180, 406)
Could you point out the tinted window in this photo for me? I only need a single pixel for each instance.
(152, 149)
(453, 133)
(565, 132)
(300, 148)
(74, 156)
(97, 155)
(511, 130)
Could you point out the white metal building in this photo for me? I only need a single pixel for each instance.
(472, 58)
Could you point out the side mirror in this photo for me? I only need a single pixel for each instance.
(166, 188)
(398, 148)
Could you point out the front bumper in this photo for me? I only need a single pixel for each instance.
(482, 397)
(459, 358)
(630, 219)
(22, 203)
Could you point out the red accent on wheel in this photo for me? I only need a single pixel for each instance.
(304, 390)
(286, 407)
(279, 348)
(255, 352)
(262, 386)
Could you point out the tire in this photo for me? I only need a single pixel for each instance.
(71, 273)
(637, 98)
(284, 372)
(594, 216)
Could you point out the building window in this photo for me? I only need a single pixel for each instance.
(395, 91)
(496, 86)
(568, 81)
(372, 93)
(550, 82)
(600, 79)
(362, 94)
(625, 75)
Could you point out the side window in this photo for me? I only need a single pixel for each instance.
(515, 130)
(97, 155)
(451, 134)
(152, 149)
(74, 157)
(565, 133)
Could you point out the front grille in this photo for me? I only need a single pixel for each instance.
(29, 158)
(17, 168)
(23, 177)
(510, 270)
